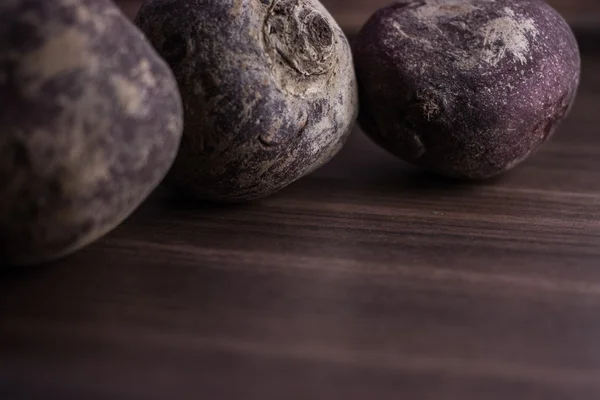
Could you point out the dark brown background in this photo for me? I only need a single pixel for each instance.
(366, 280)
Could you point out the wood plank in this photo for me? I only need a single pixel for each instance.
(366, 280)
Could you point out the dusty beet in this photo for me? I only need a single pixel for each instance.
(465, 88)
(90, 122)
(268, 88)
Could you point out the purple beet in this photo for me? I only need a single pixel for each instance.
(268, 89)
(90, 120)
(465, 88)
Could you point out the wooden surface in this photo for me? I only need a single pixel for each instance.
(366, 280)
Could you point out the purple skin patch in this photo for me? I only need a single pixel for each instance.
(91, 121)
(465, 88)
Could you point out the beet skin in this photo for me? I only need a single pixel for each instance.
(465, 88)
(268, 88)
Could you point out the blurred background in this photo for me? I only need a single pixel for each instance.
(583, 15)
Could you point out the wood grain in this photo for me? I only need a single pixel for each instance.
(366, 280)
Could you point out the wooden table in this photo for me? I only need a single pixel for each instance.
(366, 280)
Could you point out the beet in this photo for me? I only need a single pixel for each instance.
(465, 88)
(90, 122)
(268, 87)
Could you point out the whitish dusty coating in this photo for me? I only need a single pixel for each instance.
(268, 88)
(466, 88)
(90, 121)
